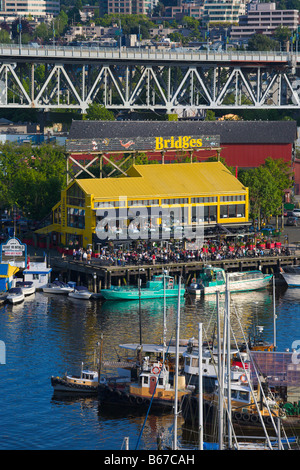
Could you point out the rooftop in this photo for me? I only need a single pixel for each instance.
(159, 180)
(230, 132)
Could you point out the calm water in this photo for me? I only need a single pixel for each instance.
(49, 335)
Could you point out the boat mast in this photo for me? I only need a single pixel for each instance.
(177, 367)
(165, 320)
(200, 404)
(228, 363)
(220, 377)
(274, 314)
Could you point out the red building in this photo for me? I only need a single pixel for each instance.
(243, 144)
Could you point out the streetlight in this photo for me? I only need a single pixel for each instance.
(19, 30)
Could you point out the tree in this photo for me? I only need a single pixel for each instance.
(261, 42)
(282, 34)
(266, 184)
(4, 37)
(98, 112)
(31, 178)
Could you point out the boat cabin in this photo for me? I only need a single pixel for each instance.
(158, 281)
(87, 377)
(154, 374)
(212, 276)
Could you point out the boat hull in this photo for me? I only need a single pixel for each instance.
(78, 295)
(56, 290)
(251, 285)
(120, 395)
(28, 291)
(61, 385)
(292, 280)
(117, 294)
(15, 299)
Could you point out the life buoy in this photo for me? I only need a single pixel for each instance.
(194, 280)
(243, 378)
(156, 369)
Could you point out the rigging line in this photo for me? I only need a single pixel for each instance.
(148, 411)
(251, 388)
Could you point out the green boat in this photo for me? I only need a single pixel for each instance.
(154, 289)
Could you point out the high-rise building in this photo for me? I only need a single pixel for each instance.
(127, 7)
(35, 8)
(223, 10)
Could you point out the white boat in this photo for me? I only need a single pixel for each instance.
(212, 280)
(291, 275)
(15, 295)
(80, 292)
(27, 287)
(57, 287)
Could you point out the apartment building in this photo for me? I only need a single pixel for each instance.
(35, 8)
(263, 18)
(193, 9)
(128, 7)
(223, 11)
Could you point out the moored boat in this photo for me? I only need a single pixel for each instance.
(15, 295)
(27, 287)
(153, 386)
(57, 287)
(80, 292)
(212, 280)
(158, 287)
(291, 275)
(86, 382)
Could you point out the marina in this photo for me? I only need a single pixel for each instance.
(55, 333)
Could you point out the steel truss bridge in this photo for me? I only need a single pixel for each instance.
(46, 78)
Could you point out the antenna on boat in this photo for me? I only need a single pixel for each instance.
(165, 320)
(200, 405)
(177, 367)
(274, 313)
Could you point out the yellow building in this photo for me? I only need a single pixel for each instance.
(195, 194)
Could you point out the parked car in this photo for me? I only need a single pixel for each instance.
(292, 221)
(296, 212)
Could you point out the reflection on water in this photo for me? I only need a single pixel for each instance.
(51, 334)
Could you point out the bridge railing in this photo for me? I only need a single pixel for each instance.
(179, 54)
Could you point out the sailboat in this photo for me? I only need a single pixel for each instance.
(260, 408)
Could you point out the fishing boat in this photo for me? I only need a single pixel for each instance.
(57, 287)
(212, 279)
(15, 295)
(27, 287)
(158, 287)
(86, 382)
(153, 385)
(291, 275)
(80, 292)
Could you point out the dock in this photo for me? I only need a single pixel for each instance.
(97, 276)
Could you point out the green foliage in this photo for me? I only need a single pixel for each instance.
(261, 42)
(98, 112)
(172, 117)
(31, 178)
(4, 37)
(267, 184)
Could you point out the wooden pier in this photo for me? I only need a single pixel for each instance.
(97, 276)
